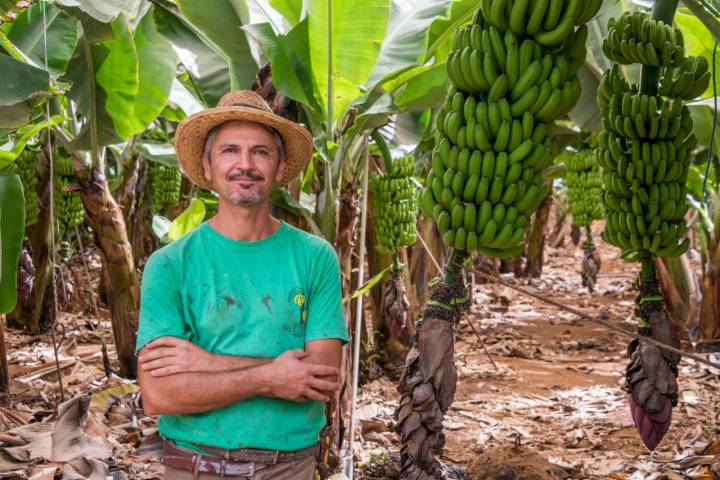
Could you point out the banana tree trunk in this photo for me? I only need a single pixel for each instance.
(118, 267)
(421, 268)
(334, 433)
(129, 196)
(4, 374)
(679, 289)
(377, 262)
(591, 261)
(507, 265)
(536, 238)
(34, 312)
(709, 323)
(427, 385)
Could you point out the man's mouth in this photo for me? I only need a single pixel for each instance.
(246, 184)
(245, 179)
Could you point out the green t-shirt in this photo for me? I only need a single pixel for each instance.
(251, 299)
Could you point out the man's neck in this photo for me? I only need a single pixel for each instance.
(244, 223)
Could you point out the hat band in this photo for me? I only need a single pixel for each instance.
(246, 105)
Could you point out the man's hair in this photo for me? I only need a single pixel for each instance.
(213, 133)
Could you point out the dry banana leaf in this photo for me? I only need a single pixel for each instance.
(590, 266)
(395, 305)
(428, 384)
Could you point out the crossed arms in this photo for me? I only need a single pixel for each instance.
(177, 376)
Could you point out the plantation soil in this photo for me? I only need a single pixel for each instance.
(558, 391)
(516, 463)
(554, 408)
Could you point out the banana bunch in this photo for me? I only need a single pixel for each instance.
(636, 38)
(642, 117)
(25, 166)
(492, 139)
(688, 81)
(584, 184)
(68, 207)
(645, 151)
(63, 165)
(548, 22)
(395, 205)
(164, 187)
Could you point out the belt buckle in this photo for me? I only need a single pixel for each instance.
(252, 470)
(277, 454)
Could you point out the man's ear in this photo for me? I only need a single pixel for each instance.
(206, 167)
(280, 171)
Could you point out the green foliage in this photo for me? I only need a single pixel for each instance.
(10, 151)
(29, 32)
(220, 21)
(188, 220)
(344, 48)
(12, 228)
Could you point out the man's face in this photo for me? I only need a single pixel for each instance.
(244, 163)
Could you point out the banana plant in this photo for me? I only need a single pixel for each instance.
(402, 70)
(112, 72)
(699, 23)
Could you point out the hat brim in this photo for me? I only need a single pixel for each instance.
(192, 131)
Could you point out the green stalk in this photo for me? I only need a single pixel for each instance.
(662, 10)
(453, 267)
(647, 269)
(384, 149)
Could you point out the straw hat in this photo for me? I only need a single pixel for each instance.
(242, 105)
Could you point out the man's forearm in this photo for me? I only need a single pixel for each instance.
(200, 391)
(227, 363)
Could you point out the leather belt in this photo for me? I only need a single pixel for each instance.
(238, 463)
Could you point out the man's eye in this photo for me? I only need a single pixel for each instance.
(262, 152)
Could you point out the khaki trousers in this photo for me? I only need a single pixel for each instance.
(298, 470)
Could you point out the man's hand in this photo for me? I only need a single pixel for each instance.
(171, 355)
(289, 377)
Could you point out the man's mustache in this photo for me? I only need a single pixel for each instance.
(237, 175)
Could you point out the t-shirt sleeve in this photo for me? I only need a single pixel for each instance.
(160, 306)
(325, 312)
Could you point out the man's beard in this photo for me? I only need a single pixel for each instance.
(253, 199)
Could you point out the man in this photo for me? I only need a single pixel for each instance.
(241, 323)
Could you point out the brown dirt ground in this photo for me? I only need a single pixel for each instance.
(554, 406)
(558, 389)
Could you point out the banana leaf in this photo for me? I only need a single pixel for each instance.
(12, 228)
(60, 33)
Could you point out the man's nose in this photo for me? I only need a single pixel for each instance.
(244, 160)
